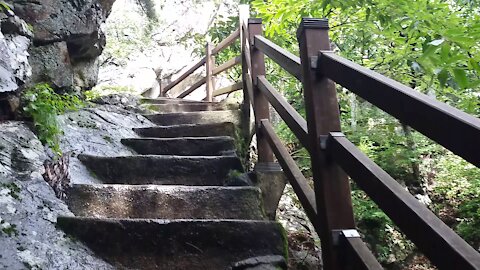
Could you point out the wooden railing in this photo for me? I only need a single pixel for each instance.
(211, 71)
(328, 205)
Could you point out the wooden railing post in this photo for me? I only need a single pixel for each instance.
(260, 102)
(209, 68)
(332, 189)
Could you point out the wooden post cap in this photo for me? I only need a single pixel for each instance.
(312, 23)
(254, 20)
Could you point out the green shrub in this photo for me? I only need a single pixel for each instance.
(43, 105)
(457, 187)
(385, 240)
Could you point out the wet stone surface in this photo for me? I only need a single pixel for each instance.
(29, 208)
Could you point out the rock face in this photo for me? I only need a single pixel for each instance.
(67, 39)
(29, 238)
(14, 67)
(14, 42)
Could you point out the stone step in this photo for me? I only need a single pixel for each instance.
(191, 107)
(205, 117)
(165, 202)
(189, 130)
(183, 146)
(161, 100)
(176, 244)
(163, 170)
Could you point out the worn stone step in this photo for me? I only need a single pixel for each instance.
(191, 107)
(165, 202)
(163, 170)
(176, 244)
(183, 146)
(205, 117)
(163, 100)
(188, 130)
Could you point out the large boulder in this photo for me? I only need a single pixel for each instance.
(68, 37)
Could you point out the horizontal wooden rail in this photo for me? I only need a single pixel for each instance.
(450, 127)
(435, 239)
(192, 88)
(291, 117)
(297, 180)
(284, 58)
(355, 254)
(229, 89)
(226, 42)
(185, 75)
(229, 64)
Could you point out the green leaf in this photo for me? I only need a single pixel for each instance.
(429, 51)
(444, 52)
(443, 76)
(460, 77)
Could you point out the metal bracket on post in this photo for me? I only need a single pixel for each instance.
(323, 142)
(350, 233)
(313, 62)
(324, 139)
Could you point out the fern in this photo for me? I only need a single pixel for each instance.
(43, 105)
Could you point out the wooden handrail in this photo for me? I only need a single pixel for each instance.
(284, 58)
(186, 74)
(249, 84)
(227, 41)
(222, 45)
(227, 65)
(192, 88)
(299, 184)
(450, 127)
(248, 58)
(229, 89)
(439, 243)
(294, 120)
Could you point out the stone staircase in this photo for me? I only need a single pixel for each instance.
(169, 207)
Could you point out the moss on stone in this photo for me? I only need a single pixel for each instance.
(285, 241)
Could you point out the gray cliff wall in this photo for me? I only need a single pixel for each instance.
(67, 39)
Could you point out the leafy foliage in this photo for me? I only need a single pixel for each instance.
(458, 188)
(43, 105)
